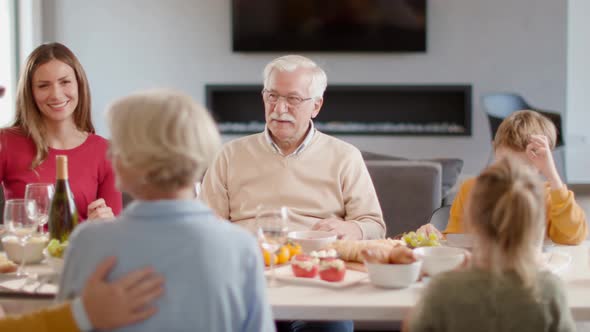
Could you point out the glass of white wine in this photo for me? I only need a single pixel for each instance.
(272, 232)
(41, 193)
(18, 222)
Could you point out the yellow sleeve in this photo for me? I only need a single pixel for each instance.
(455, 224)
(566, 219)
(58, 318)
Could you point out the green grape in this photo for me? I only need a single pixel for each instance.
(56, 248)
(406, 238)
(433, 243)
(420, 238)
(52, 247)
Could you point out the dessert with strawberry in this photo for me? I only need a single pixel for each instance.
(332, 269)
(304, 266)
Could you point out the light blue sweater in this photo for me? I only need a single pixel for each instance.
(213, 269)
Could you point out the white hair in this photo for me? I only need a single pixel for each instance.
(165, 136)
(290, 63)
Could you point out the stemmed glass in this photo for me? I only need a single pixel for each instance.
(41, 194)
(18, 222)
(272, 232)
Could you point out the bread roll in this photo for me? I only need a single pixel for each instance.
(401, 255)
(6, 266)
(351, 250)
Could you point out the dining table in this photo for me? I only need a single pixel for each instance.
(359, 301)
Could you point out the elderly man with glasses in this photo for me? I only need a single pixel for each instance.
(322, 180)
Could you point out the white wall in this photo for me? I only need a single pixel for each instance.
(578, 91)
(500, 45)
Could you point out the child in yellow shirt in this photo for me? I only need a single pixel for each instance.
(530, 137)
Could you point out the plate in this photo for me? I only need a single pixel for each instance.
(45, 283)
(556, 261)
(285, 273)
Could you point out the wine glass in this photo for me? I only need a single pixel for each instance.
(272, 232)
(41, 194)
(18, 222)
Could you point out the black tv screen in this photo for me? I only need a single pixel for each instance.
(329, 25)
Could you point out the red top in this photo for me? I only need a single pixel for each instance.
(90, 173)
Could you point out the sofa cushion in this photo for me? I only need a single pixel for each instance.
(408, 192)
(451, 168)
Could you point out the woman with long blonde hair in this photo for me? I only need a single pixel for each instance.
(53, 117)
(505, 289)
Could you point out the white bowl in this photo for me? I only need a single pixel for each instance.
(33, 250)
(460, 240)
(440, 259)
(394, 275)
(312, 240)
(56, 264)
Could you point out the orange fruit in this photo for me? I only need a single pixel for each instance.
(267, 256)
(284, 255)
(294, 249)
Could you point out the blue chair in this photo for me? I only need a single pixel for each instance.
(440, 217)
(498, 106)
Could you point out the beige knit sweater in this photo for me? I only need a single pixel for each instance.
(327, 179)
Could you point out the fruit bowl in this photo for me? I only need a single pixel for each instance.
(33, 252)
(440, 259)
(312, 240)
(393, 275)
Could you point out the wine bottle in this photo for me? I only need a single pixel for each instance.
(63, 216)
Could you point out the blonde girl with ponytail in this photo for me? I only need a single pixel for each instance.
(504, 289)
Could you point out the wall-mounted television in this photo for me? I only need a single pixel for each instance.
(329, 25)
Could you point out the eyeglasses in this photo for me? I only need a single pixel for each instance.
(273, 98)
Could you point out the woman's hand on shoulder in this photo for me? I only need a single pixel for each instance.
(126, 300)
(99, 210)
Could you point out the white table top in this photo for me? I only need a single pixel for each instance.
(365, 302)
(368, 303)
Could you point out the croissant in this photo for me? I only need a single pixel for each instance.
(351, 250)
(376, 254)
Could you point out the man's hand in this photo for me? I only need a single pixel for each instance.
(99, 210)
(122, 302)
(539, 153)
(343, 229)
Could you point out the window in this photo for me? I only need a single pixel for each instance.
(8, 56)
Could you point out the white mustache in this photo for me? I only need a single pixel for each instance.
(283, 117)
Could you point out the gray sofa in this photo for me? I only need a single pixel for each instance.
(409, 191)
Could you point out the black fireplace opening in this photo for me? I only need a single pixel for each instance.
(356, 109)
